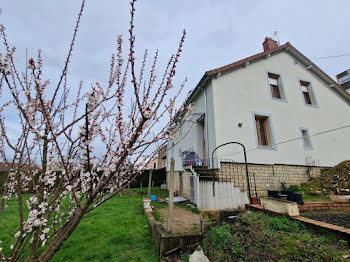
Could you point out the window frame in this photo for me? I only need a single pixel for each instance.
(280, 85)
(301, 129)
(271, 135)
(310, 91)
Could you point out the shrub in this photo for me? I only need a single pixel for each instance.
(219, 242)
(284, 224)
(185, 257)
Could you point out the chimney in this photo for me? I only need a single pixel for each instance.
(269, 44)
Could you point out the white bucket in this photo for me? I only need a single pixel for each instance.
(146, 203)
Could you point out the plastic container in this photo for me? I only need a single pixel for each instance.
(153, 198)
(146, 203)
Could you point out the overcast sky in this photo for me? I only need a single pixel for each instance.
(219, 31)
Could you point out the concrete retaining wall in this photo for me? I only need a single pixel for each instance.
(280, 206)
(166, 241)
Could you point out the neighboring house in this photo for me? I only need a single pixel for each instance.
(287, 112)
(152, 164)
(148, 162)
(344, 80)
(156, 162)
(162, 153)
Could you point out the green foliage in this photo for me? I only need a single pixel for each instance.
(157, 216)
(258, 236)
(184, 205)
(312, 191)
(284, 224)
(185, 257)
(219, 242)
(344, 242)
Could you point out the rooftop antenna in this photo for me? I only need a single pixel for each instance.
(275, 36)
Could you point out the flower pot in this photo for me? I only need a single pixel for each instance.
(254, 200)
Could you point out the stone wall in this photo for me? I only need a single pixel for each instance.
(186, 189)
(267, 177)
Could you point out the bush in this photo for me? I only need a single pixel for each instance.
(219, 242)
(284, 224)
(185, 257)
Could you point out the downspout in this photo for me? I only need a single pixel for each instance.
(206, 127)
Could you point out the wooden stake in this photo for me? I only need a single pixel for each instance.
(171, 196)
(150, 183)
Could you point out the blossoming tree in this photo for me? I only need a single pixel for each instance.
(58, 128)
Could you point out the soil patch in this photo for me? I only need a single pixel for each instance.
(183, 221)
(335, 217)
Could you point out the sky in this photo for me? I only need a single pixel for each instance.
(219, 32)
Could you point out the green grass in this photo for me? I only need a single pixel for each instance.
(184, 205)
(116, 231)
(312, 191)
(160, 193)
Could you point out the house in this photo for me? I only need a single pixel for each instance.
(152, 164)
(162, 153)
(291, 117)
(344, 80)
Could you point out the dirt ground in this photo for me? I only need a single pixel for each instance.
(335, 217)
(183, 221)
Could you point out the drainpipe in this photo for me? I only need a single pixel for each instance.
(206, 127)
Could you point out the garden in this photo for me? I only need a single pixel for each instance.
(257, 236)
(115, 231)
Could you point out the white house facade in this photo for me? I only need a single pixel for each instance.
(286, 111)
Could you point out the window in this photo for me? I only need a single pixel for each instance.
(276, 86)
(308, 94)
(263, 131)
(154, 165)
(306, 138)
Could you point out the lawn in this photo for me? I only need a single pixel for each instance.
(116, 231)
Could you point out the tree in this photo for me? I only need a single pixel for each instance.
(61, 131)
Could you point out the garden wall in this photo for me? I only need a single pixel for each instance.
(267, 177)
(166, 241)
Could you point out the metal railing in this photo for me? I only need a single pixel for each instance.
(220, 170)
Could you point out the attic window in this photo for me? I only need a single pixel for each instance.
(276, 86)
(308, 94)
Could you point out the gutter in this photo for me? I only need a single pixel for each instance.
(206, 126)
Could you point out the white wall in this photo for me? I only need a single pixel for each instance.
(193, 140)
(240, 93)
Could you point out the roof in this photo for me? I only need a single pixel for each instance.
(245, 60)
(287, 47)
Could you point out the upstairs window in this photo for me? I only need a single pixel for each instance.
(308, 94)
(306, 138)
(263, 131)
(276, 86)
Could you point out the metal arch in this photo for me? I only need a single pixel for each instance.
(245, 160)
